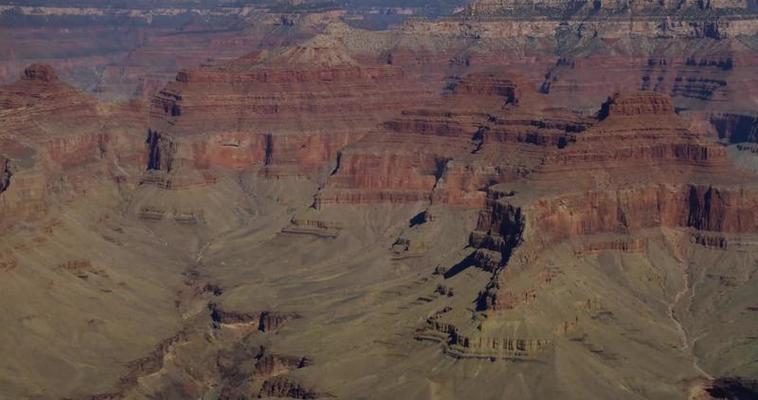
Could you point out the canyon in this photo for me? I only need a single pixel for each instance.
(516, 199)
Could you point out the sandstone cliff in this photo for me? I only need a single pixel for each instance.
(57, 141)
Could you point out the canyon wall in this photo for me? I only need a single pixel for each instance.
(286, 114)
(129, 50)
(59, 142)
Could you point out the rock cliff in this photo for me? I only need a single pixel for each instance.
(58, 142)
(637, 137)
(560, 192)
(286, 114)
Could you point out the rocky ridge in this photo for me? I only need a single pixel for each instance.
(59, 142)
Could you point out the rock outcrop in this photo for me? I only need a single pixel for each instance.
(553, 219)
(736, 128)
(264, 321)
(609, 179)
(57, 141)
(286, 114)
(477, 346)
(282, 386)
(270, 364)
(5, 174)
(484, 8)
(413, 158)
(40, 72)
(126, 50)
(149, 364)
(599, 185)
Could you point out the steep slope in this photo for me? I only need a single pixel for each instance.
(59, 143)
(129, 50)
(288, 113)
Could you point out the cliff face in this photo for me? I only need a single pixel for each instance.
(411, 161)
(634, 136)
(526, 229)
(551, 185)
(5, 174)
(280, 114)
(627, 173)
(578, 50)
(127, 50)
(557, 8)
(57, 141)
(271, 113)
(736, 128)
(554, 219)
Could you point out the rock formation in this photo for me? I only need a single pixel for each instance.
(121, 50)
(5, 178)
(285, 387)
(286, 114)
(59, 142)
(560, 192)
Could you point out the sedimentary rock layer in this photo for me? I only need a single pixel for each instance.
(57, 141)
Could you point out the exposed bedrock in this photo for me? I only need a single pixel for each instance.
(243, 370)
(270, 364)
(514, 348)
(488, 85)
(303, 119)
(626, 173)
(417, 158)
(637, 136)
(160, 151)
(289, 113)
(373, 176)
(284, 386)
(640, 103)
(119, 51)
(552, 219)
(507, 223)
(296, 112)
(5, 174)
(474, 345)
(57, 141)
(453, 156)
(147, 365)
(736, 128)
(264, 321)
(40, 72)
(496, 7)
(546, 221)
(398, 144)
(307, 154)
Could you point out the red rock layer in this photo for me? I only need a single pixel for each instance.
(509, 231)
(403, 140)
(279, 115)
(638, 136)
(638, 167)
(57, 142)
(118, 51)
(413, 158)
(452, 152)
(553, 219)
